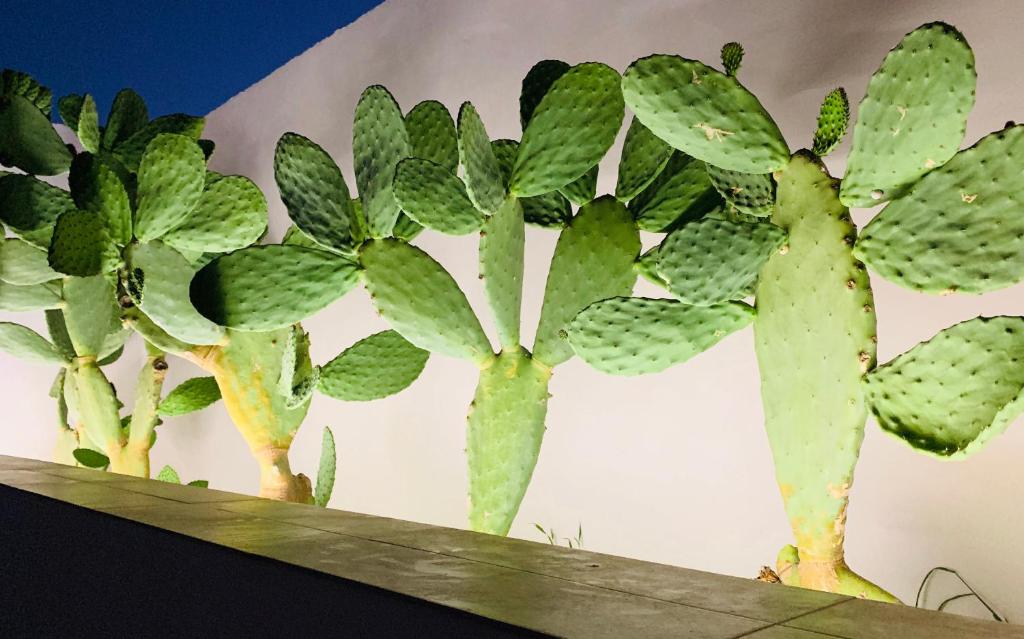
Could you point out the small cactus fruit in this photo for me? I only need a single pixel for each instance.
(593, 261)
(502, 247)
(190, 396)
(712, 260)
(704, 113)
(24, 343)
(833, 118)
(815, 294)
(315, 193)
(732, 57)
(644, 156)
(232, 290)
(747, 193)
(482, 173)
(506, 428)
(636, 336)
(326, 471)
(379, 142)
(569, 131)
(913, 116)
(421, 300)
(682, 192)
(435, 197)
(966, 213)
(373, 368)
(977, 362)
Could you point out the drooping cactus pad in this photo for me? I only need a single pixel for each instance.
(373, 368)
(22, 342)
(190, 396)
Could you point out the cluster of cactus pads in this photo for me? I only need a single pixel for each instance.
(148, 240)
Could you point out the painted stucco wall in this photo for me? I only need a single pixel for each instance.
(673, 467)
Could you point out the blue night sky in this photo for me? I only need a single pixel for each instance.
(180, 55)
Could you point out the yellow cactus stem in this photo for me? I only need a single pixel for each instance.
(830, 574)
(277, 480)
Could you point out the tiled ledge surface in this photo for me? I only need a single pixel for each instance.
(544, 588)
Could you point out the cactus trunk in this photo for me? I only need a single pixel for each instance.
(815, 338)
(247, 369)
(506, 427)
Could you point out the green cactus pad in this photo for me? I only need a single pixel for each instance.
(81, 245)
(30, 207)
(128, 114)
(502, 245)
(295, 237)
(750, 193)
(732, 57)
(153, 334)
(165, 277)
(406, 228)
(570, 130)
(636, 335)
(315, 193)
(482, 172)
(421, 300)
(815, 337)
(958, 228)
(58, 332)
(950, 395)
(20, 83)
(550, 210)
(88, 126)
(231, 214)
(432, 134)
(379, 143)
(172, 174)
(91, 314)
(36, 297)
(69, 106)
(833, 119)
(913, 115)
(704, 113)
(506, 427)
(435, 197)
(711, 260)
(326, 471)
(97, 189)
(373, 368)
(644, 156)
(169, 475)
(682, 192)
(646, 266)
(535, 86)
(583, 189)
(24, 343)
(23, 264)
(28, 139)
(262, 288)
(190, 396)
(593, 261)
(129, 152)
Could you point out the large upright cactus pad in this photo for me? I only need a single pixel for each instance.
(959, 228)
(506, 426)
(97, 189)
(432, 134)
(636, 335)
(482, 172)
(422, 301)
(913, 116)
(502, 245)
(815, 338)
(950, 395)
(712, 260)
(569, 131)
(379, 142)
(315, 193)
(704, 113)
(593, 261)
(172, 174)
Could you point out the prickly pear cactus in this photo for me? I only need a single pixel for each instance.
(815, 294)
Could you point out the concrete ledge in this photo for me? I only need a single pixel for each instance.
(99, 553)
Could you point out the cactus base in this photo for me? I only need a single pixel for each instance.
(830, 575)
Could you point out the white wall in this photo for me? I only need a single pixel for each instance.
(671, 467)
